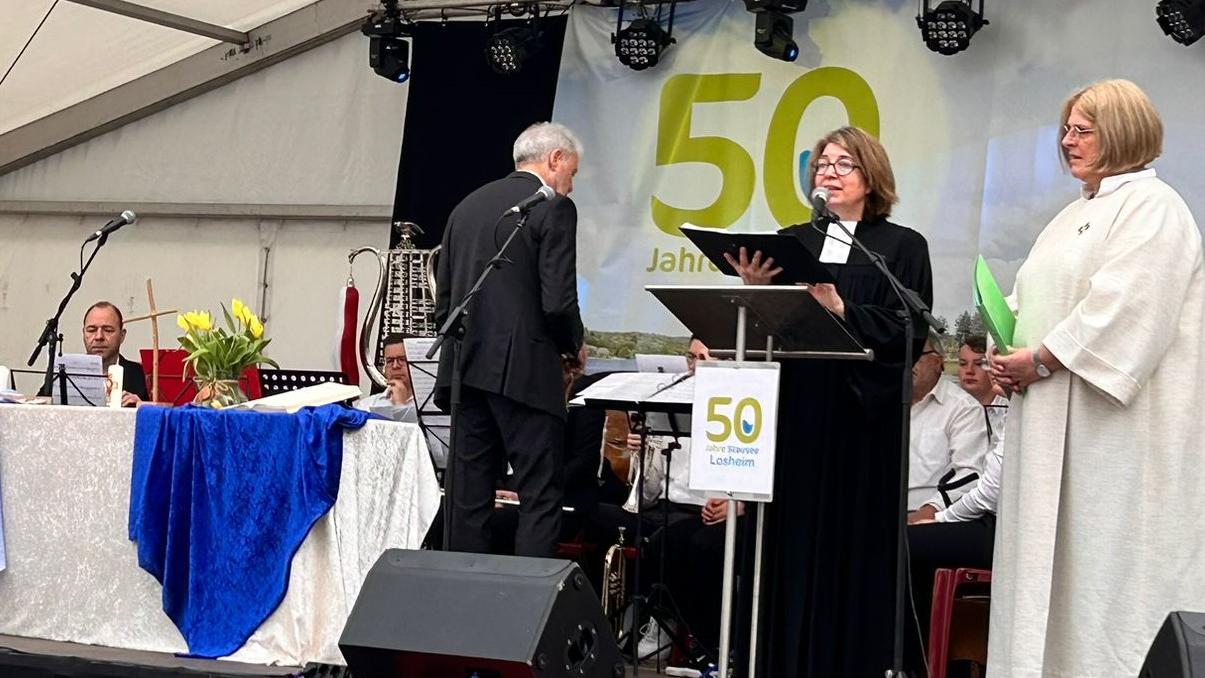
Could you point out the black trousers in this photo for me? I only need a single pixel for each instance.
(941, 545)
(493, 430)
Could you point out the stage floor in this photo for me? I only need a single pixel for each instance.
(33, 657)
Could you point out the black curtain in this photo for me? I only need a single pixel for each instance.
(462, 117)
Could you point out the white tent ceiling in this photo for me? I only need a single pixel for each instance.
(81, 51)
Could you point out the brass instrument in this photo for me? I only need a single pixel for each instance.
(615, 584)
(404, 296)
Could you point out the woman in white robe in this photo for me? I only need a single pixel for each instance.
(1100, 522)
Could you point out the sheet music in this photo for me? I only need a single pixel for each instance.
(310, 396)
(639, 387)
(435, 422)
(86, 383)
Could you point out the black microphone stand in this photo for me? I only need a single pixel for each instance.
(453, 327)
(913, 305)
(50, 336)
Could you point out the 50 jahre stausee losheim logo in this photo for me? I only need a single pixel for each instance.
(738, 173)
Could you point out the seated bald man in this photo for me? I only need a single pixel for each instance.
(104, 332)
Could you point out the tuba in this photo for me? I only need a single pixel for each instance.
(404, 296)
(615, 584)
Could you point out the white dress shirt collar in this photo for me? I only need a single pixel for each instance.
(1110, 184)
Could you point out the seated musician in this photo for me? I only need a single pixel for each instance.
(693, 531)
(948, 438)
(104, 332)
(396, 402)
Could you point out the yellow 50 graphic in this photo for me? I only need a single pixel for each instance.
(744, 420)
(675, 144)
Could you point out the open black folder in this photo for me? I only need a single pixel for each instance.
(798, 264)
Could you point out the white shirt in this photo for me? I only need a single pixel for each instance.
(997, 417)
(837, 244)
(654, 480)
(406, 413)
(983, 496)
(947, 442)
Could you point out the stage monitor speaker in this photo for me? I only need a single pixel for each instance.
(434, 614)
(1179, 648)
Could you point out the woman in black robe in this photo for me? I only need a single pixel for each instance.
(831, 532)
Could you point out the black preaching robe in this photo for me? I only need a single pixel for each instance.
(829, 562)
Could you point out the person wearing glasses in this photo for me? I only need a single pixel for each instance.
(396, 402)
(948, 439)
(1099, 532)
(832, 529)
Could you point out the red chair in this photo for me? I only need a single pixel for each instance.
(964, 593)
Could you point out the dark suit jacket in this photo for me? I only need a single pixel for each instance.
(526, 316)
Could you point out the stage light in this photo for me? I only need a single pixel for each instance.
(388, 51)
(774, 36)
(508, 48)
(774, 30)
(640, 44)
(948, 28)
(1183, 20)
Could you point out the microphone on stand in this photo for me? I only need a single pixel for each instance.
(545, 193)
(820, 196)
(126, 217)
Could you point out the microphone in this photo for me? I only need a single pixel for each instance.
(126, 217)
(820, 197)
(545, 193)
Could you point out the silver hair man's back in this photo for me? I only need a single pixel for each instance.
(542, 138)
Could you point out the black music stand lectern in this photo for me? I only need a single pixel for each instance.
(789, 324)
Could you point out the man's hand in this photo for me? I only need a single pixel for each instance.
(715, 511)
(130, 400)
(924, 514)
(633, 442)
(504, 495)
(394, 389)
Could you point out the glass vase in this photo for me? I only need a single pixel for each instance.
(218, 393)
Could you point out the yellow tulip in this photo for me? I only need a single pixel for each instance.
(257, 328)
(182, 322)
(201, 320)
(240, 311)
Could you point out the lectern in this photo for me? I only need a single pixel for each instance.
(788, 323)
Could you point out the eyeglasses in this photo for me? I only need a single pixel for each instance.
(842, 167)
(397, 362)
(692, 357)
(1076, 131)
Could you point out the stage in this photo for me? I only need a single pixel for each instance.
(35, 658)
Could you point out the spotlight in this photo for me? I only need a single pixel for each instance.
(639, 46)
(1183, 20)
(774, 30)
(508, 48)
(388, 51)
(948, 28)
(774, 36)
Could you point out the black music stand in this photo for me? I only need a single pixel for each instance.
(432, 419)
(790, 324)
(657, 399)
(272, 382)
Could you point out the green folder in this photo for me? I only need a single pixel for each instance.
(997, 317)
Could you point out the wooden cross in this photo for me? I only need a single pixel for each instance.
(153, 316)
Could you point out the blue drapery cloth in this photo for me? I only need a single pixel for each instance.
(219, 503)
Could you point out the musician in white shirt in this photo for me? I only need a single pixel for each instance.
(948, 439)
(396, 402)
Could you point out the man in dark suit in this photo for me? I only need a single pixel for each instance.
(521, 331)
(104, 331)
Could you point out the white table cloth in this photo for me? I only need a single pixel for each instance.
(73, 574)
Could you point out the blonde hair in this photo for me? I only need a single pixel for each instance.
(871, 159)
(1129, 132)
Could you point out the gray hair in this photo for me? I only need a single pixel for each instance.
(542, 138)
